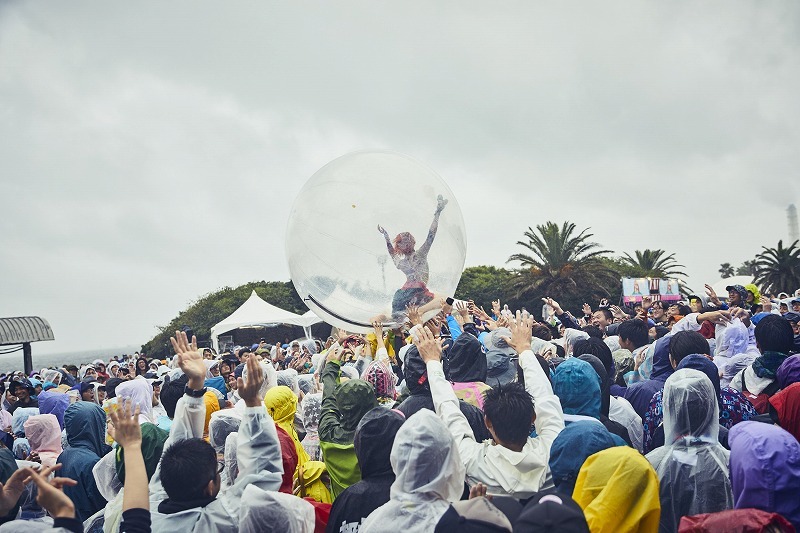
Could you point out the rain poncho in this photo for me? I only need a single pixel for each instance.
(503, 470)
(343, 406)
(211, 402)
(618, 491)
(571, 336)
(429, 476)
(259, 461)
(140, 392)
(374, 437)
(788, 372)
(85, 423)
(311, 407)
(740, 520)
(573, 445)
(639, 394)
(289, 378)
(281, 404)
(692, 467)
(787, 406)
(222, 424)
(734, 350)
(44, 437)
(380, 376)
(578, 388)
(733, 406)
(310, 482)
(466, 368)
(264, 511)
(765, 469)
(153, 439)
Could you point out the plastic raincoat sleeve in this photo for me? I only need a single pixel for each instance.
(567, 321)
(190, 417)
(446, 404)
(549, 416)
(258, 453)
(687, 323)
(329, 429)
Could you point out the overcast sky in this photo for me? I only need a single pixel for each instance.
(150, 151)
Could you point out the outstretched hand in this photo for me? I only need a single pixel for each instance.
(189, 359)
(440, 203)
(124, 427)
(520, 339)
(554, 304)
(383, 231)
(249, 391)
(51, 493)
(430, 348)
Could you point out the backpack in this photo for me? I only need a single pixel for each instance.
(760, 401)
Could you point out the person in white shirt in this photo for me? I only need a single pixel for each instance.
(515, 464)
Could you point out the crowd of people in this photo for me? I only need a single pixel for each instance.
(680, 416)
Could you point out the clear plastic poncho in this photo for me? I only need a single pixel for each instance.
(222, 424)
(429, 476)
(264, 511)
(693, 467)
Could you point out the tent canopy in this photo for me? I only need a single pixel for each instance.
(257, 312)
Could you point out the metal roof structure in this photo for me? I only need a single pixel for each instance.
(24, 329)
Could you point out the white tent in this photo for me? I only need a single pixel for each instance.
(257, 312)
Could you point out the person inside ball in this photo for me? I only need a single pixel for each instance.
(413, 263)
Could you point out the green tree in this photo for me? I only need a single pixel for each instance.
(748, 268)
(560, 262)
(482, 284)
(210, 309)
(779, 268)
(726, 270)
(654, 264)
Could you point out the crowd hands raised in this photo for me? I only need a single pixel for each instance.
(655, 417)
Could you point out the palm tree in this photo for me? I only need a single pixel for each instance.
(748, 268)
(726, 270)
(779, 268)
(560, 263)
(655, 264)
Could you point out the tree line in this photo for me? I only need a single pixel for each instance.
(554, 260)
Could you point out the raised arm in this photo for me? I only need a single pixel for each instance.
(385, 234)
(329, 425)
(190, 412)
(549, 415)
(426, 246)
(258, 449)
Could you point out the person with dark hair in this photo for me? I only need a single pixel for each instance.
(517, 464)
(774, 339)
(373, 443)
(540, 331)
(185, 490)
(602, 318)
(633, 335)
(687, 343)
(22, 389)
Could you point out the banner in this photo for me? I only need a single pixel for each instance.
(634, 289)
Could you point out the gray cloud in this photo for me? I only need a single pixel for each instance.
(151, 151)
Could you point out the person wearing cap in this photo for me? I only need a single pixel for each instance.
(796, 305)
(737, 296)
(794, 320)
(517, 464)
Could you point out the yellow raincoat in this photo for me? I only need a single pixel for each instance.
(281, 404)
(617, 489)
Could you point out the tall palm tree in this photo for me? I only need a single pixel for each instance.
(561, 262)
(726, 270)
(655, 264)
(779, 268)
